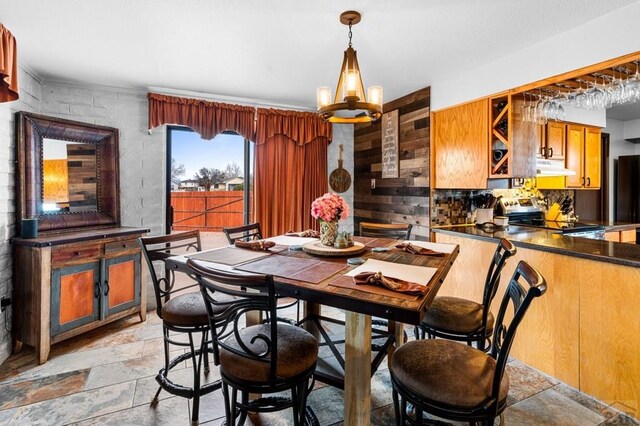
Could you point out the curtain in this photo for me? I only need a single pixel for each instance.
(8, 66)
(290, 169)
(207, 118)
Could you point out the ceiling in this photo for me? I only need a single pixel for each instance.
(624, 112)
(277, 51)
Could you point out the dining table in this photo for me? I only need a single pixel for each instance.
(327, 280)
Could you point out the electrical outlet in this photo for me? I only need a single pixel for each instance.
(4, 302)
(373, 184)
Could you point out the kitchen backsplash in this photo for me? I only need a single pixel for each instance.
(453, 207)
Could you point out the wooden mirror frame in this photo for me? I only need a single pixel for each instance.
(31, 129)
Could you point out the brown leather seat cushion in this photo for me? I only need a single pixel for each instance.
(188, 309)
(446, 372)
(297, 351)
(456, 315)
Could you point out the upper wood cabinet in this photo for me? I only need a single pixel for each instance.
(552, 141)
(592, 158)
(460, 147)
(583, 156)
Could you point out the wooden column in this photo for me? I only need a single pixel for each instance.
(357, 377)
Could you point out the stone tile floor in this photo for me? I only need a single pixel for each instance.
(106, 377)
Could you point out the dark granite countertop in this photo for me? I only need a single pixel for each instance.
(554, 242)
(612, 225)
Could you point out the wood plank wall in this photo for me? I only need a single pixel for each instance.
(395, 200)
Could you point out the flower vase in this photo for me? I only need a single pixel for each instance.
(328, 232)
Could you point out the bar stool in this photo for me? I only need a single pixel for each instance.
(271, 357)
(464, 320)
(458, 382)
(180, 313)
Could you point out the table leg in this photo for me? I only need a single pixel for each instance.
(311, 310)
(397, 329)
(357, 371)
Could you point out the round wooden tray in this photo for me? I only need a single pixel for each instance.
(319, 249)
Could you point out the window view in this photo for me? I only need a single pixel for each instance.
(211, 183)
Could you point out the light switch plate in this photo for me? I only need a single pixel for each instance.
(373, 184)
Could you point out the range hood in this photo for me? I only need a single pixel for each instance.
(548, 168)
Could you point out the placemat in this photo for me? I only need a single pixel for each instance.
(346, 281)
(230, 255)
(308, 270)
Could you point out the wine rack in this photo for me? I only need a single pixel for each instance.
(501, 136)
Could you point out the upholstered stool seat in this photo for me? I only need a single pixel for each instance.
(447, 372)
(455, 381)
(456, 315)
(186, 309)
(466, 320)
(297, 352)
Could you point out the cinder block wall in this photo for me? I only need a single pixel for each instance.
(142, 156)
(30, 100)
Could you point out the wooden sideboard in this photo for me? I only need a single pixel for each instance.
(71, 282)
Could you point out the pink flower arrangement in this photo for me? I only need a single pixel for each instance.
(330, 207)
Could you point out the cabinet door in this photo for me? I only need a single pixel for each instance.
(542, 141)
(121, 284)
(592, 158)
(461, 146)
(555, 140)
(574, 154)
(74, 296)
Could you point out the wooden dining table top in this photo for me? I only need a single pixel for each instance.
(328, 270)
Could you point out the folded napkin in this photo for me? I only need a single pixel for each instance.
(395, 284)
(309, 233)
(255, 245)
(410, 248)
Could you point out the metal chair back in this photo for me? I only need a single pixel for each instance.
(156, 251)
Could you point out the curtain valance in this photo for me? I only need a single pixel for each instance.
(207, 118)
(301, 127)
(8, 66)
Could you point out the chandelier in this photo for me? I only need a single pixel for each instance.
(350, 104)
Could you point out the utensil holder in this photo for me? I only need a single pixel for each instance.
(484, 215)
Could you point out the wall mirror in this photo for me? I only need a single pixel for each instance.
(67, 173)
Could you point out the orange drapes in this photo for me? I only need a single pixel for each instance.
(207, 118)
(8, 66)
(291, 169)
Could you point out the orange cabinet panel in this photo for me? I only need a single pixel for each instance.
(74, 290)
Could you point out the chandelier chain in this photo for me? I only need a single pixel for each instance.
(350, 34)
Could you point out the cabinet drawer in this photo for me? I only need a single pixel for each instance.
(117, 246)
(71, 254)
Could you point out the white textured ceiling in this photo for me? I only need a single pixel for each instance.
(624, 112)
(277, 51)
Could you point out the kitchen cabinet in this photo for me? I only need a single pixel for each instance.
(623, 236)
(460, 147)
(583, 156)
(72, 282)
(552, 141)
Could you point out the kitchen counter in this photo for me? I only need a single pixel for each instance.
(612, 225)
(554, 242)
